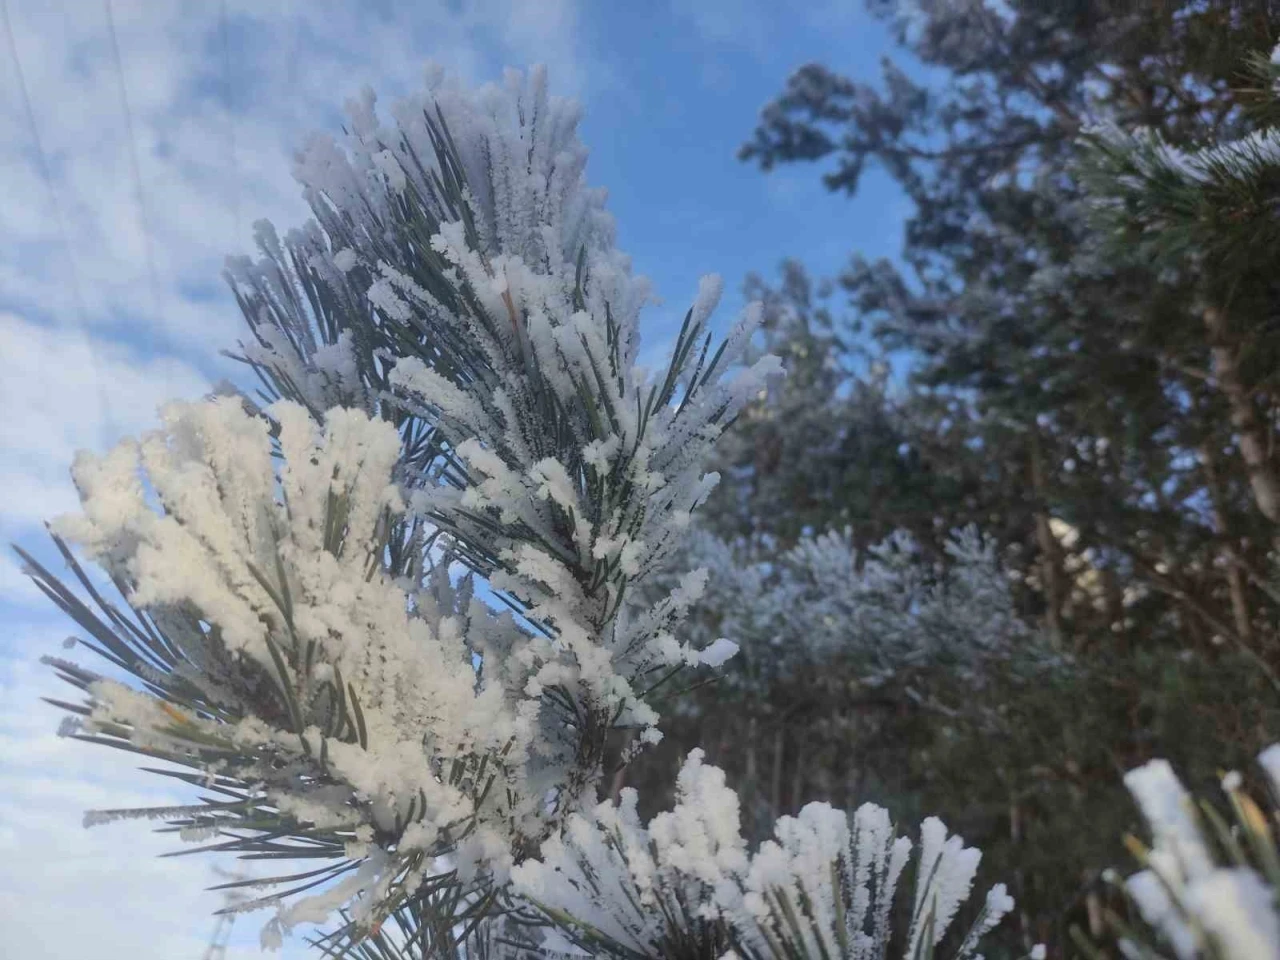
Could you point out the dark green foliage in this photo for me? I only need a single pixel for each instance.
(837, 445)
(1085, 352)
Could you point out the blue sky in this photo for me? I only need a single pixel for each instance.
(111, 300)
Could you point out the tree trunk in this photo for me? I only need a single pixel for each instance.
(775, 785)
(1235, 578)
(1250, 432)
(1051, 580)
(797, 783)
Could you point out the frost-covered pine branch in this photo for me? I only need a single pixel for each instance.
(1214, 202)
(447, 358)
(686, 886)
(1209, 883)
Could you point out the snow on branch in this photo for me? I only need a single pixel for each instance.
(497, 325)
(346, 696)
(685, 885)
(1195, 901)
(1214, 202)
(887, 610)
(1154, 160)
(449, 394)
(506, 326)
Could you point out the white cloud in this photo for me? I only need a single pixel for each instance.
(69, 893)
(213, 129)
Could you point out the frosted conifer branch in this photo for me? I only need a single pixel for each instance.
(298, 668)
(1208, 885)
(1215, 202)
(686, 886)
(447, 359)
(498, 327)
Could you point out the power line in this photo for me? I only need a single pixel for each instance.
(133, 161)
(231, 123)
(291, 71)
(217, 948)
(46, 171)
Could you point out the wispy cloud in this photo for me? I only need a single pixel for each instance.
(71, 893)
(215, 99)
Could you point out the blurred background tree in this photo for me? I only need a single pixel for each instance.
(1074, 354)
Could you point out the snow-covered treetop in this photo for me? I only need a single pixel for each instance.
(447, 357)
(885, 611)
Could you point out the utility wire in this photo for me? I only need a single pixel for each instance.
(231, 122)
(294, 41)
(46, 171)
(217, 948)
(133, 162)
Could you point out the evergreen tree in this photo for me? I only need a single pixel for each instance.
(836, 444)
(1125, 475)
(1088, 365)
(846, 653)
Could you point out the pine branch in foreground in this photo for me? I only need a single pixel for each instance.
(1208, 883)
(686, 887)
(386, 615)
(450, 395)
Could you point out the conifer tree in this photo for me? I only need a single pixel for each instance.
(1083, 377)
(1209, 212)
(1006, 298)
